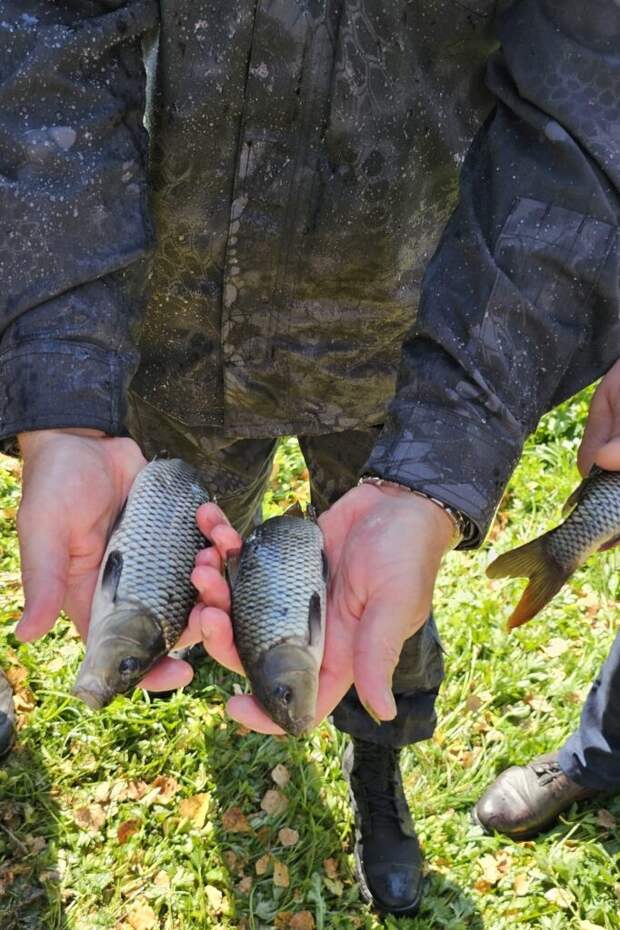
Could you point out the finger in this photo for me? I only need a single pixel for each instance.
(214, 524)
(212, 587)
(217, 638)
(210, 557)
(192, 633)
(44, 552)
(168, 675)
(244, 709)
(608, 456)
(377, 648)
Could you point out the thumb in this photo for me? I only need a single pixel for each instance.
(608, 456)
(385, 625)
(44, 549)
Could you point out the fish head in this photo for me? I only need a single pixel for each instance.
(119, 653)
(286, 684)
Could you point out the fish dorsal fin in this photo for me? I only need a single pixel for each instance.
(314, 619)
(112, 572)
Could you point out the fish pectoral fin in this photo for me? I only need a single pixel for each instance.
(112, 572)
(546, 577)
(315, 625)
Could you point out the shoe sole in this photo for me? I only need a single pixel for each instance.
(410, 910)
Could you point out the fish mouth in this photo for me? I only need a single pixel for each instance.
(94, 698)
(299, 727)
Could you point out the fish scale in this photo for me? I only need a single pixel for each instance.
(593, 522)
(280, 568)
(161, 512)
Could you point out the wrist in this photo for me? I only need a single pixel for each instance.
(33, 440)
(445, 517)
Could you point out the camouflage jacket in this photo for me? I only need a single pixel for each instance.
(254, 263)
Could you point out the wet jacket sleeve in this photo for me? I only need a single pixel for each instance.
(520, 303)
(74, 224)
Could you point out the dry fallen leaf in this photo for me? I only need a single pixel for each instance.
(280, 775)
(235, 821)
(280, 875)
(287, 836)
(490, 869)
(521, 885)
(101, 792)
(91, 817)
(262, 864)
(303, 920)
(167, 787)
(274, 802)
(142, 916)
(605, 819)
(283, 920)
(330, 867)
(473, 703)
(556, 647)
(561, 897)
(244, 886)
(195, 808)
(127, 829)
(215, 898)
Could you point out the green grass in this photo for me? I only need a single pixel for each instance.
(76, 777)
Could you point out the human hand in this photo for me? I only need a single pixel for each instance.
(384, 547)
(601, 439)
(75, 483)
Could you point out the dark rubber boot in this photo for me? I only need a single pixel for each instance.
(387, 851)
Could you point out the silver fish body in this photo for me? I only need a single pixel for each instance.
(144, 593)
(593, 523)
(278, 611)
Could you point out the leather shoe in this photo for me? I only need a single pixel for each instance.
(387, 851)
(7, 717)
(527, 799)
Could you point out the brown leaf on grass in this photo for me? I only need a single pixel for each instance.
(50, 875)
(127, 829)
(195, 809)
(287, 836)
(561, 897)
(473, 703)
(16, 675)
(605, 819)
(262, 865)
(128, 790)
(264, 834)
(215, 898)
(142, 916)
(244, 886)
(235, 821)
(283, 920)
(274, 802)
(35, 844)
(280, 775)
(90, 817)
(521, 885)
(482, 886)
(101, 792)
(303, 920)
(167, 787)
(330, 867)
(280, 875)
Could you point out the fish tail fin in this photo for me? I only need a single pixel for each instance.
(546, 577)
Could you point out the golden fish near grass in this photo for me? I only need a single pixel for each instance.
(592, 524)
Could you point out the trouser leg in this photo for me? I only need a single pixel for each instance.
(235, 472)
(334, 462)
(591, 756)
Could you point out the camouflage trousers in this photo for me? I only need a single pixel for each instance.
(237, 473)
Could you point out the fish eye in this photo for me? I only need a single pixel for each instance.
(283, 693)
(129, 665)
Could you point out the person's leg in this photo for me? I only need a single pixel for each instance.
(527, 799)
(387, 849)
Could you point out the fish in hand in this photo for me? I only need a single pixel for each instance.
(592, 524)
(279, 591)
(144, 594)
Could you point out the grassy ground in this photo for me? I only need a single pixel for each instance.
(164, 815)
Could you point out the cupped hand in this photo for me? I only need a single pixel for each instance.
(75, 483)
(601, 438)
(384, 547)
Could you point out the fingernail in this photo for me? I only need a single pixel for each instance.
(371, 713)
(388, 698)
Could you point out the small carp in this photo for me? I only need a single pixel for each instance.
(278, 613)
(593, 523)
(144, 593)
